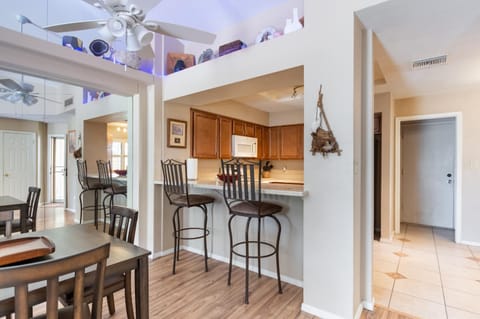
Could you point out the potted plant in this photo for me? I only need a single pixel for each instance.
(266, 168)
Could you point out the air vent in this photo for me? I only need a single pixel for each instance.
(430, 62)
(68, 102)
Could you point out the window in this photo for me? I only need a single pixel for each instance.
(119, 154)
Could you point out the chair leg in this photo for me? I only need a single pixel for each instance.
(128, 295)
(258, 249)
(277, 247)
(107, 197)
(176, 235)
(80, 197)
(247, 255)
(111, 304)
(179, 226)
(204, 208)
(95, 208)
(231, 249)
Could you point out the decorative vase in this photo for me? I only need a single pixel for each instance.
(266, 174)
(292, 24)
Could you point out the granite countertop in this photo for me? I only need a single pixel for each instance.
(273, 187)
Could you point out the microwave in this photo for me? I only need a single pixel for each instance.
(244, 146)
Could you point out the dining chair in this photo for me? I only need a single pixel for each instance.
(123, 226)
(87, 186)
(176, 189)
(31, 222)
(110, 188)
(20, 275)
(242, 193)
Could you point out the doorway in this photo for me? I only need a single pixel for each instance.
(428, 171)
(18, 162)
(57, 170)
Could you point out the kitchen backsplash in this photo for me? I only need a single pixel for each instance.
(282, 170)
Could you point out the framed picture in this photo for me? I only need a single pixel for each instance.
(72, 141)
(177, 133)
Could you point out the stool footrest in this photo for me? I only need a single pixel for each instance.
(263, 243)
(179, 231)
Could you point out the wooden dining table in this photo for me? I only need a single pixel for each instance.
(73, 239)
(9, 204)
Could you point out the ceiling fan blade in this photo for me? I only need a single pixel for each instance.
(49, 100)
(29, 100)
(11, 84)
(146, 52)
(4, 90)
(180, 31)
(75, 26)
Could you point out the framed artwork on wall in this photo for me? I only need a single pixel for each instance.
(176, 133)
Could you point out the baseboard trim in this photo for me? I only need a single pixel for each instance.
(319, 313)
(223, 259)
(70, 210)
(161, 253)
(469, 243)
(359, 311)
(369, 305)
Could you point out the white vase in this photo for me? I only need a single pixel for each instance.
(292, 24)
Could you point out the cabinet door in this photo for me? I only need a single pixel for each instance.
(274, 143)
(249, 129)
(225, 137)
(291, 142)
(266, 142)
(204, 135)
(260, 141)
(238, 127)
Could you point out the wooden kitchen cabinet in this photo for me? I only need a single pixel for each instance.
(291, 142)
(243, 128)
(286, 142)
(225, 137)
(262, 141)
(204, 135)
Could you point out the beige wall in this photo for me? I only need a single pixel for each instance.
(467, 103)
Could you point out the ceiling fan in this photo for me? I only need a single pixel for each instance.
(15, 92)
(128, 21)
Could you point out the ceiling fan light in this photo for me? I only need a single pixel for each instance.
(29, 100)
(132, 44)
(144, 36)
(105, 34)
(14, 97)
(116, 26)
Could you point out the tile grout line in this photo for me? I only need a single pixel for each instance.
(398, 267)
(440, 273)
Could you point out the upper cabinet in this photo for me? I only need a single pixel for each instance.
(212, 137)
(243, 128)
(286, 142)
(204, 135)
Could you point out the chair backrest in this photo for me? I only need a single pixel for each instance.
(123, 223)
(175, 179)
(104, 173)
(19, 276)
(82, 174)
(239, 183)
(32, 201)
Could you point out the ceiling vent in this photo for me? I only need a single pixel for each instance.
(430, 62)
(68, 101)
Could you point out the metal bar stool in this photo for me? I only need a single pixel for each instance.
(87, 186)
(176, 189)
(110, 188)
(243, 198)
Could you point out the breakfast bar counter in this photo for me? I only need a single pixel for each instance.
(288, 194)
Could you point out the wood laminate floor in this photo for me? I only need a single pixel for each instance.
(194, 293)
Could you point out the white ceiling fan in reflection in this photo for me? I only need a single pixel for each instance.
(128, 21)
(15, 92)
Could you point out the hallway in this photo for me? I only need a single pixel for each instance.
(422, 272)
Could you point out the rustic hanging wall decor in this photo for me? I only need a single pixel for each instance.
(323, 140)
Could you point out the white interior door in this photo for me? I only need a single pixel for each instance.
(427, 172)
(18, 164)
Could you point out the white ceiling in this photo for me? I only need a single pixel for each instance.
(409, 30)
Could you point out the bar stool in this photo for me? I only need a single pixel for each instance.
(243, 198)
(176, 189)
(110, 188)
(87, 186)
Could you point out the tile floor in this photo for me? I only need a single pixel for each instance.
(422, 272)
